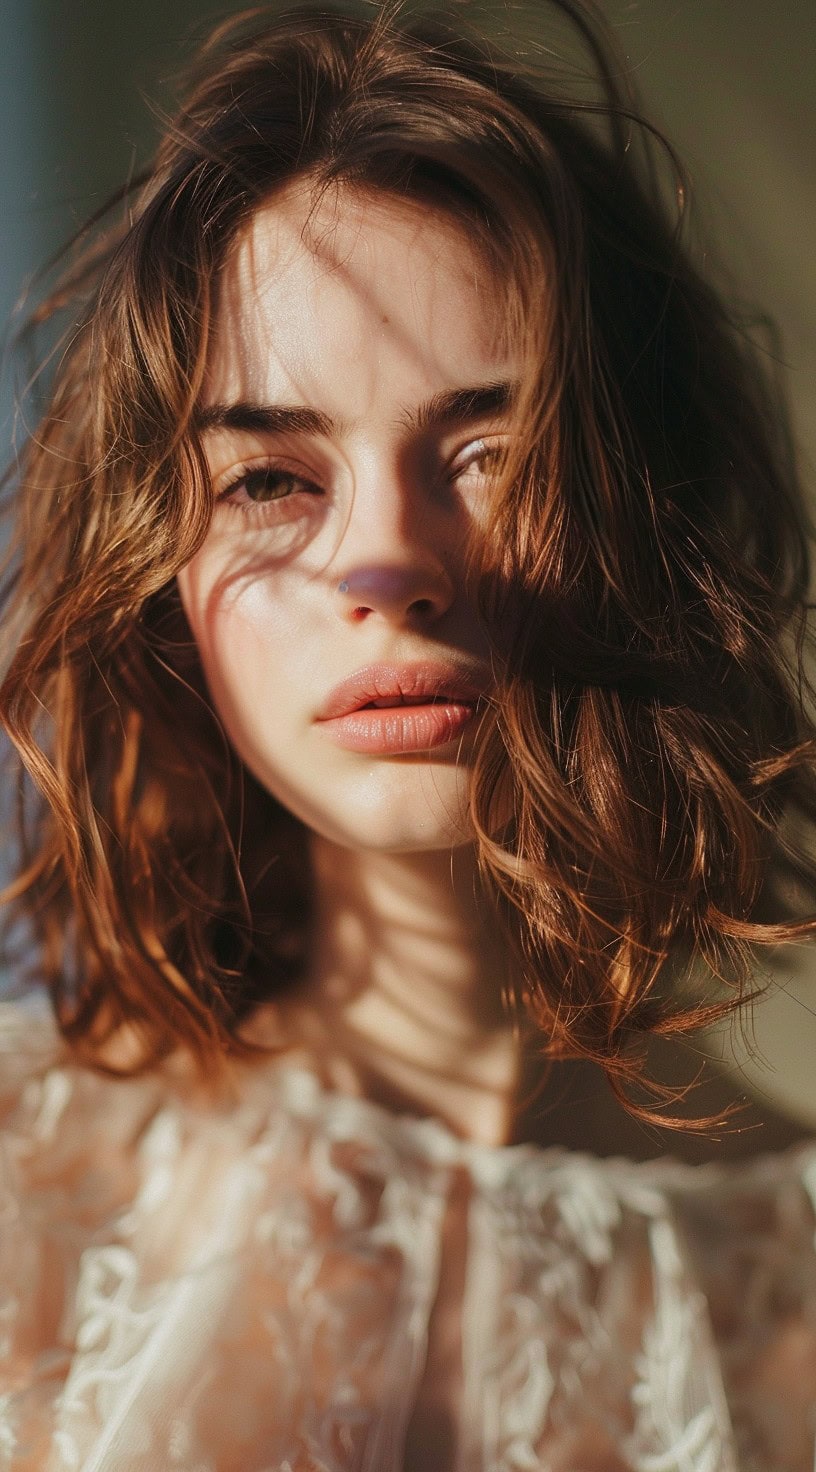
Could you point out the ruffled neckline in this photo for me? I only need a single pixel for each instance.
(29, 1032)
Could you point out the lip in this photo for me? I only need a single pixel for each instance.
(452, 695)
(392, 681)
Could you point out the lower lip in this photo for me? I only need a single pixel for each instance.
(393, 730)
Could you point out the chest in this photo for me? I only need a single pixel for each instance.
(338, 1298)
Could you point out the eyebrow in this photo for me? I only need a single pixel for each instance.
(452, 406)
(262, 419)
(460, 405)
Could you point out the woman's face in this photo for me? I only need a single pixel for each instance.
(357, 402)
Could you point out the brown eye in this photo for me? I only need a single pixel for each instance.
(268, 484)
(258, 485)
(480, 461)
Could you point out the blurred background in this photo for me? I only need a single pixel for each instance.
(731, 82)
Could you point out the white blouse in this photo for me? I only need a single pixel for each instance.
(298, 1281)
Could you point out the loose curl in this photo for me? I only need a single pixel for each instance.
(646, 568)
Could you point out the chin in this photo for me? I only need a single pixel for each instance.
(386, 818)
(379, 808)
(372, 831)
(391, 836)
(436, 842)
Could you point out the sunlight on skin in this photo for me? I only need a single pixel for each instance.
(363, 318)
(364, 315)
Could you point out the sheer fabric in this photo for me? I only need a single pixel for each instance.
(257, 1286)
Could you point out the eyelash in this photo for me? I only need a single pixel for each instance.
(479, 451)
(268, 468)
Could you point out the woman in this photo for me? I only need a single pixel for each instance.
(399, 648)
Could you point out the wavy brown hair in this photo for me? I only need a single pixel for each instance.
(647, 565)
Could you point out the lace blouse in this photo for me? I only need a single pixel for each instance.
(300, 1281)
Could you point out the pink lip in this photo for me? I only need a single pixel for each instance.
(350, 719)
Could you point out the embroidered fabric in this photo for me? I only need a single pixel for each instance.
(254, 1287)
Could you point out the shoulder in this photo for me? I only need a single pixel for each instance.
(747, 1234)
(29, 1046)
(73, 1141)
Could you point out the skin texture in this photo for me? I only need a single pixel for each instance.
(363, 312)
(363, 309)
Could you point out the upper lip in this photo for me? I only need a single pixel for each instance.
(393, 681)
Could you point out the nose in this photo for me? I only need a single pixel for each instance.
(405, 591)
(396, 557)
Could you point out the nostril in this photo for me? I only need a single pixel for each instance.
(388, 590)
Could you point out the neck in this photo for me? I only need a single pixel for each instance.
(406, 985)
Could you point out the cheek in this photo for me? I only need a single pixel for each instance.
(248, 635)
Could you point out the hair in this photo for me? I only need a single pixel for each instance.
(647, 562)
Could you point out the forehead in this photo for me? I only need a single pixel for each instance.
(345, 296)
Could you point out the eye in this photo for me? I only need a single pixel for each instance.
(479, 461)
(259, 485)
